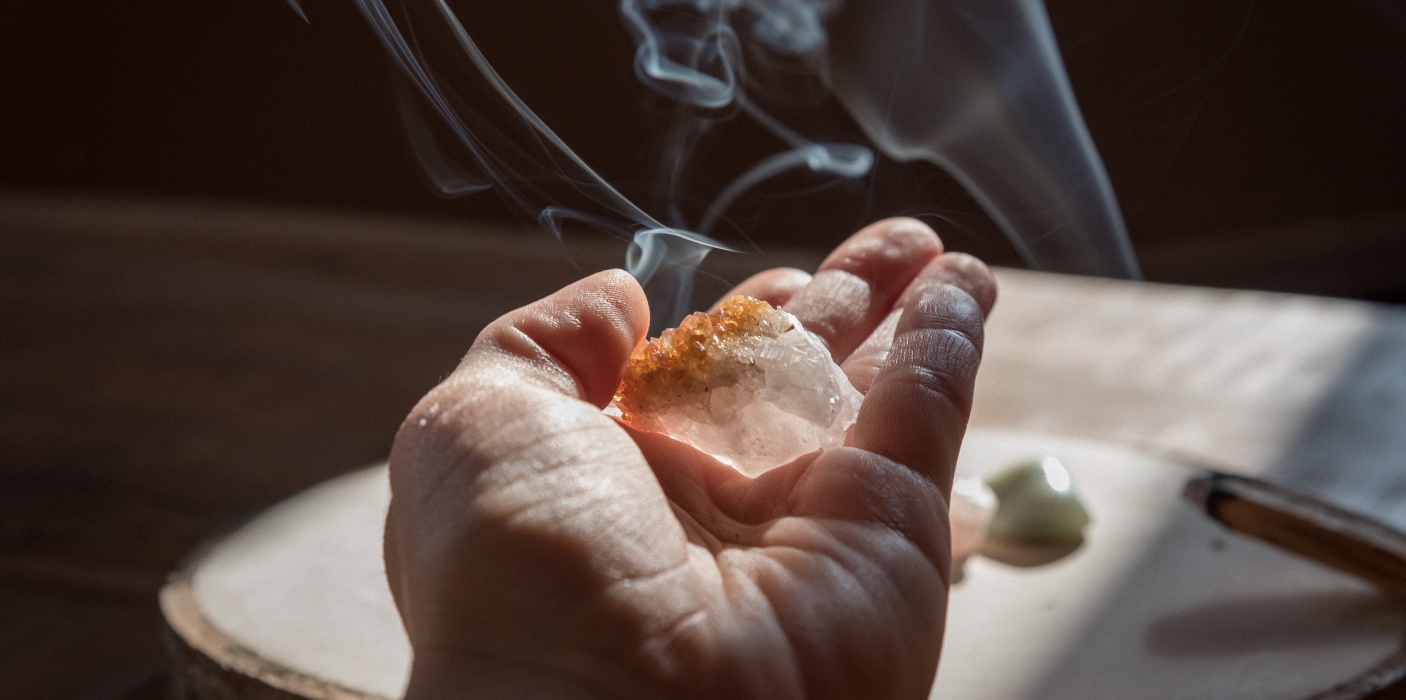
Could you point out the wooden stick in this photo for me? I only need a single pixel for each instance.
(1305, 526)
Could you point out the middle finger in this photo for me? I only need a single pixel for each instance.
(857, 285)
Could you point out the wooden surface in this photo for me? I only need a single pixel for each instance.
(295, 603)
(168, 370)
(1310, 391)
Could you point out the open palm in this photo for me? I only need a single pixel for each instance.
(538, 548)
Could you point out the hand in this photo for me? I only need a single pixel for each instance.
(537, 548)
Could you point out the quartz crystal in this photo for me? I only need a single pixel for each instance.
(750, 387)
(970, 512)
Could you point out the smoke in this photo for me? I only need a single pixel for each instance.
(691, 52)
(978, 88)
(974, 86)
(298, 8)
(517, 153)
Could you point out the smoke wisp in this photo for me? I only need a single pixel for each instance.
(974, 86)
(978, 88)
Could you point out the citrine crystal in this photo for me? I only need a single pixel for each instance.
(749, 386)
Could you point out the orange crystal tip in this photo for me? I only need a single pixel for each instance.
(698, 355)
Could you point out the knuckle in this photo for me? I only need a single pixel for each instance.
(943, 361)
(949, 308)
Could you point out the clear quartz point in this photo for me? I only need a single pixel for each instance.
(750, 387)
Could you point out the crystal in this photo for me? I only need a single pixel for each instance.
(970, 512)
(1038, 504)
(749, 386)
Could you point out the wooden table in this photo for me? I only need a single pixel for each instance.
(170, 369)
(1309, 391)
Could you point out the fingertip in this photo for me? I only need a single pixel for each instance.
(857, 285)
(614, 278)
(775, 286)
(885, 245)
(963, 271)
(599, 321)
(909, 235)
(939, 341)
(625, 305)
(587, 329)
(972, 276)
(942, 307)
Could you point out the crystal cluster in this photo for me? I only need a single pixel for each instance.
(750, 387)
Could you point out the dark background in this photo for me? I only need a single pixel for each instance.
(1253, 145)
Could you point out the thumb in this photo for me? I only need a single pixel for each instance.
(510, 457)
(575, 342)
(531, 379)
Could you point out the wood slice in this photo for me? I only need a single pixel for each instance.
(1159, 603)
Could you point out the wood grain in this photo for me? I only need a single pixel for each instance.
(209, 665)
